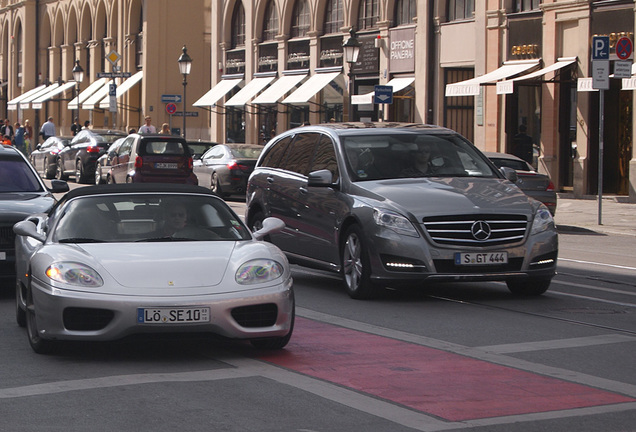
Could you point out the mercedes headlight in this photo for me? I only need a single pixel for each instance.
(258, 271)
(395, 222)
(73, 273)
(543, 220)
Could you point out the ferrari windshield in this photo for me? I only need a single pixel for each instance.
(147, 217)
(403, 155)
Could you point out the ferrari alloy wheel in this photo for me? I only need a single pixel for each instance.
(39, 345)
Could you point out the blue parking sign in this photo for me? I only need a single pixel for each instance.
(600, 48)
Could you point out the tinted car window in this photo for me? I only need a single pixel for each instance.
(300, 152)
(511, 163)
(162, 147)
(17, 176)
(325, 157)
(275, 153)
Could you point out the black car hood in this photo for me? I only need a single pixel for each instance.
(447, 196)
(15, 207)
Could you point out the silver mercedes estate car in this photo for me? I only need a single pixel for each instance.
(395, 204)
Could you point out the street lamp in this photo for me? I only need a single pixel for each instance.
(351, 49)
(78, 76)
(185, 63)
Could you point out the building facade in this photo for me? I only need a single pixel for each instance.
(133, 44)
(486, 68)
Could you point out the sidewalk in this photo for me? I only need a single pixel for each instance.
(581, 215)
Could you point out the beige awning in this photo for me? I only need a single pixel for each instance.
(12, 105)
(37, 102)
(471, 87)
(249, 91)
(507, 86)
(281, 86)
(87, 92)
(123, 88)
(310, 87)
(222, 88)
(397, 84)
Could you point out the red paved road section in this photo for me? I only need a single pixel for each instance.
(432, 381)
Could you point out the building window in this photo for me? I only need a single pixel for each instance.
(368, 14)
(459, 111)
(139, 43)
(19, 54)
(405, 12)
(270, 27)
(526, 5)
(334, 18)
(301, 19)
(238, 26)
(460, 9)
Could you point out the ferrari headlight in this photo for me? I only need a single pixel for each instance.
(542, 220)
(72, 273)
(394, 221)
(258, 271)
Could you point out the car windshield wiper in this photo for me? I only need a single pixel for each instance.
(81, 240)
(164, 239)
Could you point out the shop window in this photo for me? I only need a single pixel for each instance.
(238, 26)
(461, 9)
(19, 54)
(301, 19)
(270, 27)
(368, 14)
(334, 17)
(405, 12)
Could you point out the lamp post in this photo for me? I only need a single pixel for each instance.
(78, 77)
(185, 63)
(351, 49)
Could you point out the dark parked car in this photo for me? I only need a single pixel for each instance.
(152, 159)
(102, 168)
(393, 204)
(22, 193)
(197, 148)
(538, 186)
(225, 168)
(80, 157)
(44, 157)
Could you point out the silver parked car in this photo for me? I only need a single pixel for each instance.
(390, 204)
(534, 184)
(114, 260)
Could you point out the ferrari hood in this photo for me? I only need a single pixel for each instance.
(162, 264)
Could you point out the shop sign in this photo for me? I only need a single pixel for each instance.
(369, 57)
(331, 52)
(298, 57)
(235, 62)
(402, 50)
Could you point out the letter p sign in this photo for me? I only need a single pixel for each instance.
(600, 48)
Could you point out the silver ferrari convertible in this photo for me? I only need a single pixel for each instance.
(115, 260)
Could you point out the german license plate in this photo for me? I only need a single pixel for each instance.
(481, 258)
(173, 315)
(166, 165)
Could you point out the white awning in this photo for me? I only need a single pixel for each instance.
(471, 87)
(310, 87)
(249, 91)
(397, 84)
(26, 102)
(278, 89)
(123, 88)
(506, 86)
(217, 92)
(12, 105)
(95, 98)
(37, 103)
(87, 92)
(630, 83)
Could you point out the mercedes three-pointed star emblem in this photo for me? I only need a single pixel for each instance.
(481, 230)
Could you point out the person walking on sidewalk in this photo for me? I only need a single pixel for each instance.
(48, 129)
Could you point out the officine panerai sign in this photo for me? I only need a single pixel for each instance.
(402, 50)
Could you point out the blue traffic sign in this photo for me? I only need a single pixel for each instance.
(383, 94)
(600, 48)
(167, 98)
